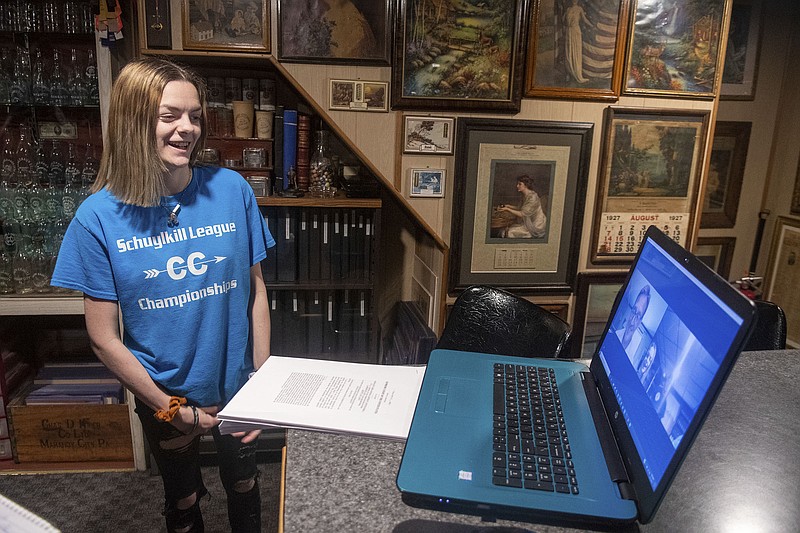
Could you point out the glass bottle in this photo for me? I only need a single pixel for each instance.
(59, 94)
(20, 91)
(77, 84)
(22, 269)
(90, 167)
(8, 163)
(321, 175)
(72, 184)
(39, 260)
(92, 87)
(6, 269)
(25, 158)
(40, 89)
(56, 174)
(5, 78)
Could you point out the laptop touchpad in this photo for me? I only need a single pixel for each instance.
(456, 397)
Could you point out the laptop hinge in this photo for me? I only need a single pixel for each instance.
(616, 467)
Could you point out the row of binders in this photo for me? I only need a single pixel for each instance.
(319, 244)
(326, 324)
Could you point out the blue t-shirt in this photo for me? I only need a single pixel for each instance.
(183, 291)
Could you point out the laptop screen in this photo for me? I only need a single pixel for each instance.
(661, 352)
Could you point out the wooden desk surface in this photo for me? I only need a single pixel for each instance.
(741, 474)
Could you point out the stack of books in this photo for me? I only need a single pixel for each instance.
(74, 383)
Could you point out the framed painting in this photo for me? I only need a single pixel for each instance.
(428, 135)
(674, 48)
(783, 274)
(459, 56)
(357, 95)
(725, 174)
(576, 49)
(345, 32)
(518, 204)
(594, 298)
(794, 208)
(427, 182)
(649, 174)
(741, 53)
(717, 253)
(235, 25)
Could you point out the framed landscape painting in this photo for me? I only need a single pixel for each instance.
(674, 49)
(649, 174)
(520, 188)
(576, 49)
(459, 55)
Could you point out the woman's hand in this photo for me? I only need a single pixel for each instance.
(185, 421)
(247, 436)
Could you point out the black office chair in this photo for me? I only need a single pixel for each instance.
(770, 330)
(490, 320)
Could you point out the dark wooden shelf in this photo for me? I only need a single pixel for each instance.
(340, 200)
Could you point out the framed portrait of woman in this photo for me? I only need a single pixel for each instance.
(576, 49)
(518, 204)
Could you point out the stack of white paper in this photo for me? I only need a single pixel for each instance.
(332, 396)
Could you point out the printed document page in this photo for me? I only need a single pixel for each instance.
(16, 519)
(332, 396)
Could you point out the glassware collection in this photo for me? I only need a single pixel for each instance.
(56, 77)
(42, 183)
(49, 16)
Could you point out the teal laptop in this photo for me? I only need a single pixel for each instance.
(558, 442)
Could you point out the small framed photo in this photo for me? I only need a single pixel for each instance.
(235, 25)
(428, 135)
(352, 95)
(594, 298)
(427, 182)
(717, 253)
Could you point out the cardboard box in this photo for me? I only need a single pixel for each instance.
(70, 432)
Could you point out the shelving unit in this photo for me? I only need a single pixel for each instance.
(302, 304)
(49, 326)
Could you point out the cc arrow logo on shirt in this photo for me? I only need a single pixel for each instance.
(177, 266)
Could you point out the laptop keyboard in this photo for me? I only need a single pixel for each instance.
(531, 447)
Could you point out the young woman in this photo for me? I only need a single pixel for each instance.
(175, 249)
(531, 221)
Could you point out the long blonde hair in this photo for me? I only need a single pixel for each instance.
(130, 167)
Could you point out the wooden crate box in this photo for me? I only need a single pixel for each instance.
(71, 433)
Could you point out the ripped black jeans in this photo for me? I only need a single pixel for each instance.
(178, 460)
